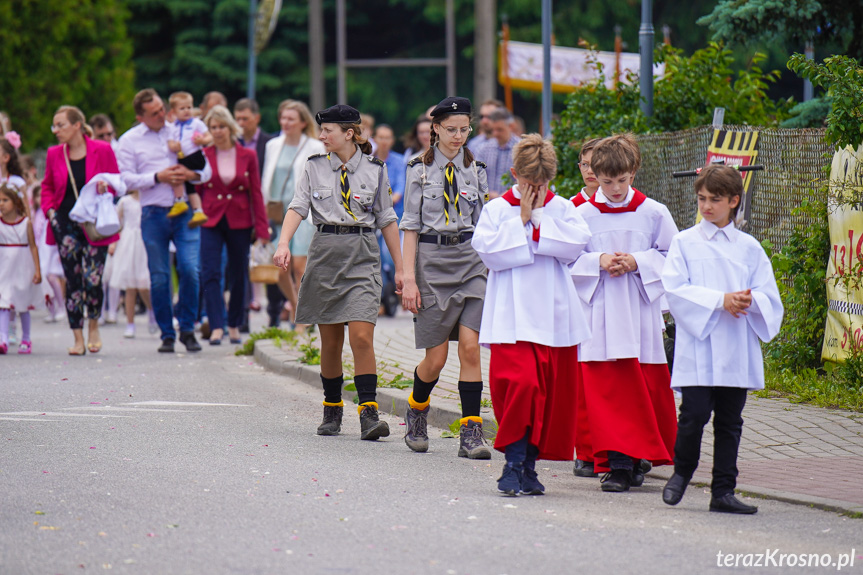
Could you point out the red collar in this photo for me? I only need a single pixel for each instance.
(509, 196)
(637, 199)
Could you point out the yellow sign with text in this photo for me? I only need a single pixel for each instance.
(844, 329)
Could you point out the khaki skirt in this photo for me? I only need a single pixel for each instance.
(451, 282)
(342, 282)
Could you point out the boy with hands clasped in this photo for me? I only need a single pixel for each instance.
(724, 299)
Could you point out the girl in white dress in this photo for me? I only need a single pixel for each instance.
(130, 271)
(20, 278)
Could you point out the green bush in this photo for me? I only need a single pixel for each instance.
(684, 98)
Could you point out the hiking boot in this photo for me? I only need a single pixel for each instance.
(530, 484)
(616, 480)
(371, 427)
(332, 423)
(472, 441)
(510, 480)
(641, 467)
(416, 435)
(584, 469)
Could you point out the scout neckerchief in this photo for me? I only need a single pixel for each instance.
(509, 196)
(346, 191)
(450, 191)
(637, 199)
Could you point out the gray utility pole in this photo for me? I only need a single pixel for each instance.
(484, 62)
(546, 68)
(343, 63)
(645, 48)
(317, 96)
(253, 58)
(809, 51)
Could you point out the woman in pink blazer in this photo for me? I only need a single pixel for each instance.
(235, 210)
(83, 259)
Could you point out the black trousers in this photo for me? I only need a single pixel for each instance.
(726, 404)
(83, 265)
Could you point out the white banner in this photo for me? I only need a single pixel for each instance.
(569, 66)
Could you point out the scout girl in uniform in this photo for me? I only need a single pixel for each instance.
(444, 277)
(347, 192)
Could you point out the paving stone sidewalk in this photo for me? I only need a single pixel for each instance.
(796, 453)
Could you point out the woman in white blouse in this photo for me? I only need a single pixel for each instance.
(285, 160)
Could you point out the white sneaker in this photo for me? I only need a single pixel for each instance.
(112, 318)
(153, 327)
(50, 318)
(130, 331)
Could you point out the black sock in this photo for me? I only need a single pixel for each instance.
(470, 393)
(422, 389)
(367, 387)
(332, 388)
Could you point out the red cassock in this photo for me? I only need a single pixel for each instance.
(630, 408)
(533, 386)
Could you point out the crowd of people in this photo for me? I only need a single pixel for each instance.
(569, 295)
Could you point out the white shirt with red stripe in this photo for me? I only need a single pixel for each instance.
(530, 296)
(624, 312)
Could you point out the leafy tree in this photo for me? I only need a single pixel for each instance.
(826, 21)
(842, 77)
(685, 97)
(72, 52)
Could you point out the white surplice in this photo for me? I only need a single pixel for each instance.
(529, 295)
(624, 312)
(712, 347)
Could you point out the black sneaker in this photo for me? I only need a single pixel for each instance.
(509, 483)
(416, 435)
(616, 480)
(332, 423)
(472, 441)
(187, 338)
(584, 469)
(167, 345)
(371, 427)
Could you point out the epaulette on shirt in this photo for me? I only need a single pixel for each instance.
(481, 164)
(415, 161)
(313, 156)
(375, 160)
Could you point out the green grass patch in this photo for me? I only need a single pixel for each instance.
(835, 387)
(279, 336)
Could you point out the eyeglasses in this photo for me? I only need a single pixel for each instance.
(58, 127)
(105, 135)
(452, 131)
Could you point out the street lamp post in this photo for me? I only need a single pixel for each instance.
(645, 48)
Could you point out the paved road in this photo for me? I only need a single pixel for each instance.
(133, 462)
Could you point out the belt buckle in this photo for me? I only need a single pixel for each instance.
(454, 240)
(343, 229)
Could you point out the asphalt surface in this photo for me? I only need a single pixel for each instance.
(133, 462)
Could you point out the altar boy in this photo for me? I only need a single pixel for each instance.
(723, 296)
(532, 319)
(629, 403)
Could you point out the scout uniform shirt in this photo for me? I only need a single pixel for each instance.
(366, 202)
(427, 207)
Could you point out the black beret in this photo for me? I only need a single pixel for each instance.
(338, 114)
(452, 105)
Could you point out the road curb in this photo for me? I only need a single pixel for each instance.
(395, 401)
(390, 400)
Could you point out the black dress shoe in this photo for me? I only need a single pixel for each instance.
(674, 489)
(730, 504)
(167, 345)
(187, 338)
(640, 467)
(584, 469)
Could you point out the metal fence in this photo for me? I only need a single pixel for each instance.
(793, 160)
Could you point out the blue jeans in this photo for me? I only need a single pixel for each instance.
(158, 231)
